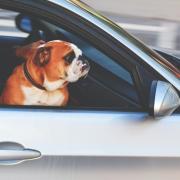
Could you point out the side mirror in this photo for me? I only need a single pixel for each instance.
(163, 99)
(24, 23)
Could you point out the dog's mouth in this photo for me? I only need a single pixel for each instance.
(85, 68)
(82, 68)
(84, 65)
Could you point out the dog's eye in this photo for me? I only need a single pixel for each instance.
(69, 57)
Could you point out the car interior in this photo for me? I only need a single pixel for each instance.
(108, 84)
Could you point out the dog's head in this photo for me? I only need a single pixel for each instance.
(62, 62)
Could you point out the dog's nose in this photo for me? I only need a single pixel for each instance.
(85, 67)
(85, 63)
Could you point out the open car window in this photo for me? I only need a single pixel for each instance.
(109, 84)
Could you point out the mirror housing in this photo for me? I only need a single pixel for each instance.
(163, 99)
(24, 23)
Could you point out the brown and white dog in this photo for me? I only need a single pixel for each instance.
(43, 77)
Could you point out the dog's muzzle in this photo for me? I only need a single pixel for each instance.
(85, 64)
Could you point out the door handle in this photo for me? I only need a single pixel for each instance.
(14, 153)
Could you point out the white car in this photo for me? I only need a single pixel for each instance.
(124, 119)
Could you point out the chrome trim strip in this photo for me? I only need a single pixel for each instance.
(94, 19)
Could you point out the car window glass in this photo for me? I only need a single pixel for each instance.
(117, 77)
(107, 63)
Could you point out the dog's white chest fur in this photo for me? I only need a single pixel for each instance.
(35, 96)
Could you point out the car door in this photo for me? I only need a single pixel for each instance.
(87, 144)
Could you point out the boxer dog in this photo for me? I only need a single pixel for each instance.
(43, 77)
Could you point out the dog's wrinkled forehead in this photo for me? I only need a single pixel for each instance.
(76, 50)
(72, 46)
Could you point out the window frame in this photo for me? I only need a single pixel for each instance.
(73, 22)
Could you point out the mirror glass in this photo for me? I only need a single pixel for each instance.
(25, 24)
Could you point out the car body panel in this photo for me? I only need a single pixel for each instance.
(92, 133)
(101, 168)
(86, 145)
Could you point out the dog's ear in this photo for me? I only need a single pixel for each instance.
(42, 56)
(28, 50)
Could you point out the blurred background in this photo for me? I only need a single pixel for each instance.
(155, 22)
